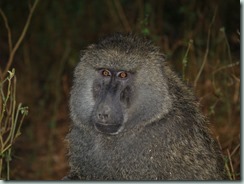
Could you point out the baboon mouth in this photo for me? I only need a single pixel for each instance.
(108, 128)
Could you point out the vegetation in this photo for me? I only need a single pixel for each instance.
(11, 114)
(11, 119)
(201, 40)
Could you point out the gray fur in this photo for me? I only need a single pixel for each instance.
(164, 136)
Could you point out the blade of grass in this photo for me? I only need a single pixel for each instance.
(206, 51)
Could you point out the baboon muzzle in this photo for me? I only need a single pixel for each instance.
(109, 116)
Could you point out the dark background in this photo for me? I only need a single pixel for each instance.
(59, 29)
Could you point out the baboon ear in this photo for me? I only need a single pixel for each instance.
(164, 57)
(92, 46)
(82, 52)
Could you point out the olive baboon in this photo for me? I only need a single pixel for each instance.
(133, 119)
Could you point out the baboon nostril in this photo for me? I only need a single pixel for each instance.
(103, 113)
(103, 117)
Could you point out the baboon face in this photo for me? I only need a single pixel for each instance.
(134, 119)
(112, 93)
(119, 83)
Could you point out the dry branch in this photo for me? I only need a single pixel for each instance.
(12, 49)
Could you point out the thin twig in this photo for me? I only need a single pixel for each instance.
(16, 46)
(227, 43)
(225, 162)
(185, 60)
(112, 11)
(10, 44)
(122, 15)
(207, 50)
(234, 151)
(227, 66)
(222, 68)
(231, 165)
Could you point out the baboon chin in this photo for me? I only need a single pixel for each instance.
(134, 119)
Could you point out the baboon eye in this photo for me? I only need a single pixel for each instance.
(105, 72)
(122, 75)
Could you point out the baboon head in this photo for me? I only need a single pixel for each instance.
(119, 83)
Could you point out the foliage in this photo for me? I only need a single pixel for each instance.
(11, 114)
(11, 119)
